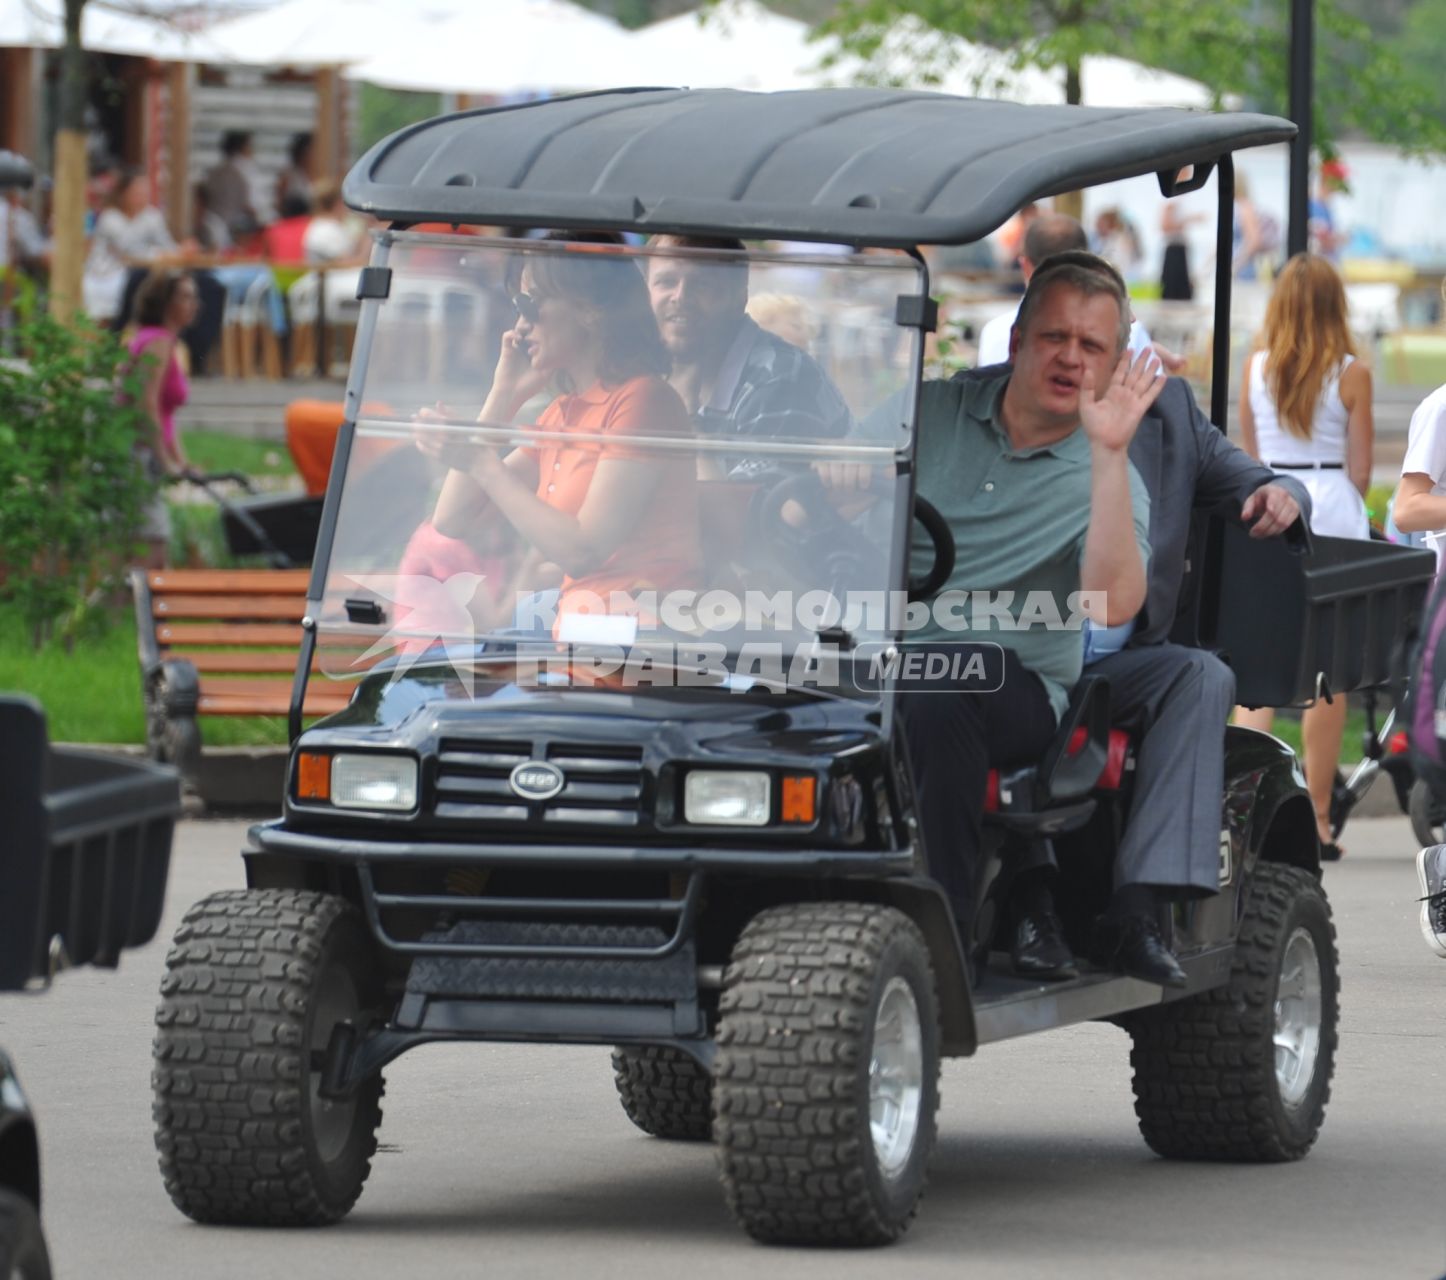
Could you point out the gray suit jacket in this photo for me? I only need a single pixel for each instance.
(1187, 464)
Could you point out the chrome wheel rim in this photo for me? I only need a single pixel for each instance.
(1298, 1001)
(896, 1076)
(331, 1121)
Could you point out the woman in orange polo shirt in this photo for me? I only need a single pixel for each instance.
(612, 517)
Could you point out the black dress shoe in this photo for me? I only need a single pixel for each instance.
(1039, 949)
(1134, 946)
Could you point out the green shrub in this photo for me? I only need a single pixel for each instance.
(72, 491)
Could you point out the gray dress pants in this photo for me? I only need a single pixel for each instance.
(1175, 702)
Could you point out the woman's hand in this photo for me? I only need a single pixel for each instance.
(515, 378)
(437, 444)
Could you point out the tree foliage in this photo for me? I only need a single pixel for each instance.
(1235, 47)
(1421, 46)
(71, 486)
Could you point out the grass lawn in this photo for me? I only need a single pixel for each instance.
(219, 451)
(93, 694)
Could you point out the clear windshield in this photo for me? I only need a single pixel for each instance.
(595, 449)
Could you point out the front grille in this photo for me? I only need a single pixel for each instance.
(603, 784)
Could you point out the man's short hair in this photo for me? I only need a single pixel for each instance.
(1082, 270)
(234, 142)
(698, 242)
(1052, 233)
(735, 271)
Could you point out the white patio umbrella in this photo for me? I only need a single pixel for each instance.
(108, 26)
(29, 24)
(913, 55)
(737, 45)
(1118, 82)
(320, 33)
(503, 46)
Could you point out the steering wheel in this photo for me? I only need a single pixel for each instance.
(927, 514)
(831, 546)
(824, 546)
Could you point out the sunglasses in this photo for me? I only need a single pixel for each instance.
(527, 306)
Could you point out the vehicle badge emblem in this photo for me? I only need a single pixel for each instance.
(536, 780)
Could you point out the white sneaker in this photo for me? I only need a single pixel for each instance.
(1431, 869)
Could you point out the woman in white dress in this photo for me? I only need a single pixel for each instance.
(1305, 411)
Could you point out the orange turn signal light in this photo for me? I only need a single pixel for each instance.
(797, 804)
(313, 776)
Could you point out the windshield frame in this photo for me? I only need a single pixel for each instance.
(374, 290)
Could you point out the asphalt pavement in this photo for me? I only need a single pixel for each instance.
(505, 1161)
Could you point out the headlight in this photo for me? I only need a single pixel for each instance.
(373, 782)
(726, 797)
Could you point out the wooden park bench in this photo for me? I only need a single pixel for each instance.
(220, 642)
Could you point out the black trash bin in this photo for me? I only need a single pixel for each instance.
(87, 840)
(1294, 621)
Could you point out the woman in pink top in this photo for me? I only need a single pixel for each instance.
(165, 305)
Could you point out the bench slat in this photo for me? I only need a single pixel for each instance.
(240, 697)
(252, 662)
(229, 582)
(255, 662)
(239, 634)
(282, 608)
(263, 687)
(221, 704)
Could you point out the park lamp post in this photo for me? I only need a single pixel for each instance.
(1302, 76)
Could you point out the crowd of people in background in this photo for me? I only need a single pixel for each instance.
(237, 216)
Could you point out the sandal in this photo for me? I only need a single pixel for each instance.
(1331, 852)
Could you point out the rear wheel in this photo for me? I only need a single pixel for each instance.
(255, 983)
(827, 1078)
(1243, 1072)
(664, 1091)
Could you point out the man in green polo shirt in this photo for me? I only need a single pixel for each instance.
(1029, 466)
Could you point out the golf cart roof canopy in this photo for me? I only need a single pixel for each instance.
(863, 166)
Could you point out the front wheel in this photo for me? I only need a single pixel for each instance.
(1243, 1072)
(256, 981)
(827, 1079)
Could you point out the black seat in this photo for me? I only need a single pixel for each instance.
(1053, 796)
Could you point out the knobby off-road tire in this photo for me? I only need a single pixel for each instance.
(1244, 1072)
(664, 1092)
(23, 1255)
(827, 1078)
(255, 981)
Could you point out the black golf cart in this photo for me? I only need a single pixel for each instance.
(653, 795)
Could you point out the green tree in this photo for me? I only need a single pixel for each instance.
(1421, 46)
(384, 111)
(1237, 47)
